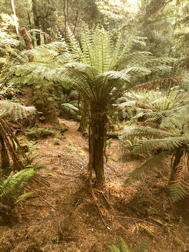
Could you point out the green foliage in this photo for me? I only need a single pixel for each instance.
(121, 246)
(15, 111)
(11, 187)
(142, 131)
(72, 110)
(178, 192)
(23, 197)
(36, 133)
(162, 130)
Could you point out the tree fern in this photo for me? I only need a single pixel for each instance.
(103, 68)
(174, 142)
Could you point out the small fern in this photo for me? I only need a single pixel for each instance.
(11, 187)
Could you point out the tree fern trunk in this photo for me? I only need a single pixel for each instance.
(97, 139)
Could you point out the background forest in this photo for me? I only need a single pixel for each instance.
(94, 125)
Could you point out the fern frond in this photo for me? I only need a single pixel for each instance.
(131, 59)
(142, 131)
(13, 185)
(115, 75)
(146, 168)
(74, 45)
(120, 247)
(177, 192)
(9, 43)
(97, 48)
(165, 144)
(15, 111)
(23, 197)
(123, 246)
(34, 72)
(143, 246)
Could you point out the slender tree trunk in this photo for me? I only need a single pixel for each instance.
(5, 163)
(29, 20)
(65, 17)
(76, 21)
(36, 21)
(97, 139)
(15, 17)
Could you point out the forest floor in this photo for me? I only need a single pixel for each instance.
(64, 215)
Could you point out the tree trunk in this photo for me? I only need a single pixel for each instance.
(5, 163)
(15, 17)
(97, 139)
(36, 20)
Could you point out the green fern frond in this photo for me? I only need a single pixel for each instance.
(11, 187)
(143, 246)
(131, 59)
(15, 111)
(120, 247)
(146, 168)
(74, 45)
(115, 75)
(165, 144)
(34, 72)
(58, 46)
(9, 43)
(23, 197)
(123, 247)
(142, 131)
(178, 192)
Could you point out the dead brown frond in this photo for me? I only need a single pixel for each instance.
(10, 149)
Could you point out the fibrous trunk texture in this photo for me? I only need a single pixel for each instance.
(97, 139)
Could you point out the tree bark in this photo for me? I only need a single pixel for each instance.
(97, 140)
(5, 163)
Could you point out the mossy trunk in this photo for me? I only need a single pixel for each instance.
(97, 140)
